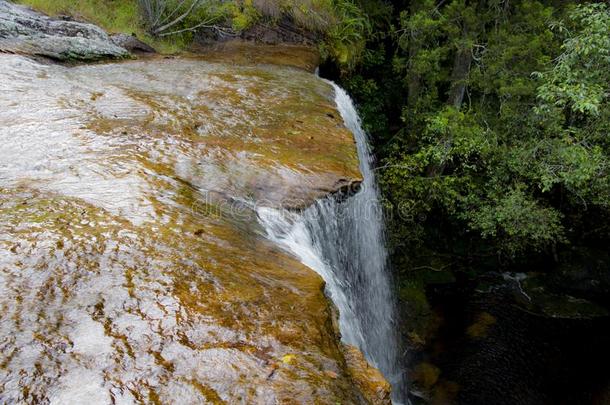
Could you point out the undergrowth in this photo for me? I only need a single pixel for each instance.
(341, 24)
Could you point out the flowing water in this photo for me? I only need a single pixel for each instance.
(343, 240)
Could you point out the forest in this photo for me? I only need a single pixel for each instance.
(490, 123)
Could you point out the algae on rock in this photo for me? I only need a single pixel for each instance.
(134, 267)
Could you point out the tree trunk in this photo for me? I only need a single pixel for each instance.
(413, 80)
(459, 76)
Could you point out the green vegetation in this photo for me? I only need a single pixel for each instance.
(115, 16)
(169, 25)
(490, 122)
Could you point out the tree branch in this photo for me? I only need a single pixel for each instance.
(177, 20)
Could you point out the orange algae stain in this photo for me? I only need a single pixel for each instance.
(208, 393)
(371, 382)
(290, 122)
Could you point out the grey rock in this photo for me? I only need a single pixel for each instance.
(131, 43)
(25, 31)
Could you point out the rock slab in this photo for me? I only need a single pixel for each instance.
(133, 268)
(27, 32)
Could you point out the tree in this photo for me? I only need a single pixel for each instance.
(503, 134)
(167, 17)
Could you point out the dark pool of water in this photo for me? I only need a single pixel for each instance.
(519, 358)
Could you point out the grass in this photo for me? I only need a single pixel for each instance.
(313, 15)
(114, 16)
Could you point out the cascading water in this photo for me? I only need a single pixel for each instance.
(343, 240)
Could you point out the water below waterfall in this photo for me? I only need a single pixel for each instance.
(343, 240)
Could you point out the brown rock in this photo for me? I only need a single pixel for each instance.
(131, 43)
(373, 386)
(247, 53)
(141, 272)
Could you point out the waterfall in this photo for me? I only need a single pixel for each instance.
(343, 241)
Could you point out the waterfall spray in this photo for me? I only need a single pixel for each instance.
(343, 241)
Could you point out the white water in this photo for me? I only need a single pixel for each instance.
(344, 242)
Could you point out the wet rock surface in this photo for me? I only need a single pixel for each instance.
(27, 32)
(372, 384)
(132, 266)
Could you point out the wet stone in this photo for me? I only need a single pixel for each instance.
(132, 265)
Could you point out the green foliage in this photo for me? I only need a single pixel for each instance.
(574, 106)
(243, 15)
(517, 219)
(346, 38)
(515, 167)
(579, 79)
